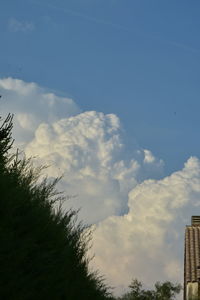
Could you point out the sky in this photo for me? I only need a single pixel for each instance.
(106, 92)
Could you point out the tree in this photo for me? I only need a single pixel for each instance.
(162, 291)
(167, 290)
(43, 251)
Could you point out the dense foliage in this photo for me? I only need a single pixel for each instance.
(42, 249)
(162, 291)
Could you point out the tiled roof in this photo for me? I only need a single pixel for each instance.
(192, 253)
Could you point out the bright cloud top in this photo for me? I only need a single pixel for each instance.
(87, 149)
(140, 220)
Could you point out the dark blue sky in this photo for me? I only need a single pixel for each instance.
(137, 59)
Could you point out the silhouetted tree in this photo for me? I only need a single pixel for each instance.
(42, 249)
(162, 291)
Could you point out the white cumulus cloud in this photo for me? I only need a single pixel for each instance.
(32, 105)
(88, 150)
(147, 242)
(139, 219)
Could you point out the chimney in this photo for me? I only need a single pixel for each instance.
(195, 221)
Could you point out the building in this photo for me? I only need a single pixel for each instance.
(192, 260)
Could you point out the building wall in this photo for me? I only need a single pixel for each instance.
(192, 260)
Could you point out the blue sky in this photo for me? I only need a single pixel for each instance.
(137, 59)
(106, 92)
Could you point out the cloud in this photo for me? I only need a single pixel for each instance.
(147, 242)
(88, 150)
(139, 218)
(32, 105)
(15, 25)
